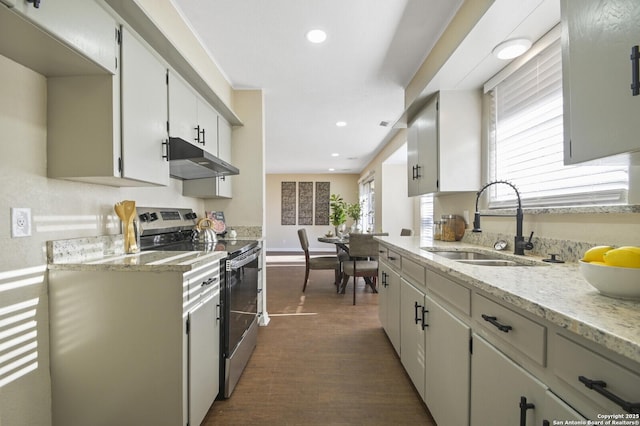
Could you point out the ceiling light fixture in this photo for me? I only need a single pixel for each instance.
(510, 49)
(341, 123)
(335, 154)
(316, 36)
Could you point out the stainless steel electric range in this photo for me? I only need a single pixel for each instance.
(170, 229)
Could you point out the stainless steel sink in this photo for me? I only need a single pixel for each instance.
(466, 255)
(484, 258)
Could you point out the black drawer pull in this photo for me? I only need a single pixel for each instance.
(600, 387)
(494, 322)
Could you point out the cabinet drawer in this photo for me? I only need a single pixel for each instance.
(572, 361)
(524, 334)
(414, 271)
(394, 258)
(452, 292)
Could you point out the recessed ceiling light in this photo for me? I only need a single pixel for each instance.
(316, 36)
(510, 49)
(332, 170)
(335, 154)
(341, 123)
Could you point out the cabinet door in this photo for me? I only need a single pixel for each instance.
(412, 160)
(389, 304)
(208, 125)
(144, 113)
(412, 340)
(225, 187)
(183, 114)
(422, 150)
(556, 409)
(81, 24)
(203, 356)
(447, 368)
(600, 113)
(497, 386)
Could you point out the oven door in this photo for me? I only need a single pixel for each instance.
(240, 322)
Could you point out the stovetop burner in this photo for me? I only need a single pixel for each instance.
(170, 229)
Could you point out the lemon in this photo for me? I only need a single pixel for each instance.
(595, 254)
(595, 262)
(632, 248)
(622, 257)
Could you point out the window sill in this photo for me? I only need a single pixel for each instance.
(567, 210)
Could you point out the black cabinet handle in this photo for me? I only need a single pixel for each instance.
(36, 3)
(204, 140)
(415, 312)
(600, 387)
(524, 406)
(494, 322)
(424, 324)
(384, 279)
(635, 71)
(209, 281)
(198, 132)
(165, 144)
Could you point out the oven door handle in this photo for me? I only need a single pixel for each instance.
(243, 260)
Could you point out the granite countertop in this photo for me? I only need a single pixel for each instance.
(106, 253)
(554, 292)
(147, 261)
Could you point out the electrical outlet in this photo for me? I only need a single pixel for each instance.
(20, 222)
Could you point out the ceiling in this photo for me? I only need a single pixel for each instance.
(358, 75)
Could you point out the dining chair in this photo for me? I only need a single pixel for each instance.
(317, 262)
(363, 262)
(404, 232)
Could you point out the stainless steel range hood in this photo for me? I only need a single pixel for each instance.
(187, 161)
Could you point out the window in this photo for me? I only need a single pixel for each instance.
(426, 216)
(526, 141)
(368, 200)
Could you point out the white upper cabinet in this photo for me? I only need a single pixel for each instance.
(217, 141)
(144, 113)
(87, 140)
(82, 25)
(190, 117)
(444, 144)
(600, 110)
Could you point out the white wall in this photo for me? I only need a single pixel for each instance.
(397, 207)
(285, 237)
(246, 208)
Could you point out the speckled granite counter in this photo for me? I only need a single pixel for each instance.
(106, 254)
(554, 292)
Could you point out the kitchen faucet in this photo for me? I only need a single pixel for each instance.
(520, 244)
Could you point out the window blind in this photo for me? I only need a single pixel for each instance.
(526, 143)
(426, 216)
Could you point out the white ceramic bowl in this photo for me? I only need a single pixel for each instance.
(611, 280)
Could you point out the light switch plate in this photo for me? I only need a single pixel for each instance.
(20, 222)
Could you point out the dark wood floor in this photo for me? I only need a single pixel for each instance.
(320, 361)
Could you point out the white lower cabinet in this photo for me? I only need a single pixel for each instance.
(389, 303)
(447, 366)
(204, 357)
(503, 393)
(412, 335)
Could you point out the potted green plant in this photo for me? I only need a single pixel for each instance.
(338, 214)
(354, 211)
